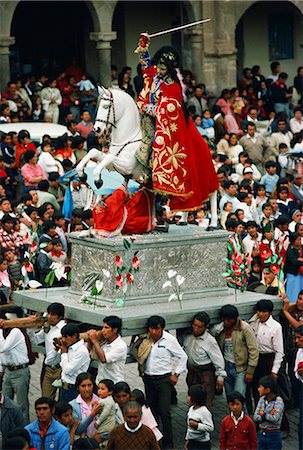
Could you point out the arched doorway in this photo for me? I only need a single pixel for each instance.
(267, 33)
(48, 34)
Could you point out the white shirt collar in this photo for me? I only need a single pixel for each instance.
(241, 417)
(132, 430)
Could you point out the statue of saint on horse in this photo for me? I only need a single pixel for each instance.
(180, 161)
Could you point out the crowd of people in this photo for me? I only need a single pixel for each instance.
(96, 408)
(255, 136)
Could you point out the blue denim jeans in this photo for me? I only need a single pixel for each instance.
(282, 107)
(235, 381)
(269, 441)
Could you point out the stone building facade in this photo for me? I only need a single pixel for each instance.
(104, 32)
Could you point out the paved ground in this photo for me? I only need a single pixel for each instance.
(179, 411)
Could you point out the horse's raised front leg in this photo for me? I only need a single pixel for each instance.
(107, 160)
(94, 153)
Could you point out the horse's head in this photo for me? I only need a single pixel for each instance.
(105, 117)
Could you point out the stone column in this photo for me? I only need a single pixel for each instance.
(196, 42)
(5, 42)
(103, 46)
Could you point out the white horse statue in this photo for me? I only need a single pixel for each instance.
(118, 112)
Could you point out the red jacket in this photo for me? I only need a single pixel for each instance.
(238, 437)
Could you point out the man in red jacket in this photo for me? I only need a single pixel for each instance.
(237, 430)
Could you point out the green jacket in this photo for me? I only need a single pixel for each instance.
(245, 347)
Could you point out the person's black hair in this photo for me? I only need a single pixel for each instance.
(297, 226)
(57, 309)
(265, 306)
(108, 383)
(58, 215)
(113, 67)
(229, 312)
(70, 329)
(45, 400)
(66, 163)
(113, 322)
(61, 408)
(293, 237)
(26, 197)
(228, 184)
(283, 219)
(269, 382)
(22, 135)
(7, 218)
(222, 170)
(266, 205)
(86, 443)
(19, 432)
(154, 321)
(299, 329)
(44, 144)
(282, 145)
(48, 225)
(139, 397)
(84, 375)
(202, 317)
(87, 214)
(274, 65)
(28, 155)
(197, 394)
(233, 396)
(43, 185)
(77, 212)
(283, 75)
(231, 223)
(269, 164)
(260, 186)
(77, 140)
(242, 196)
(4, 199)
(53, 176)
(56, 240)
(15, 443)
(251, 223)
(70, 123)
(121, 386)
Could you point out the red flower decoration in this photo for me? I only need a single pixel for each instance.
(274, 268)
(29, 267)
(119, 281)
(265, 251)
(239, 259)
(130, 278)
(33, 247)
(135, 262)
(119, 261)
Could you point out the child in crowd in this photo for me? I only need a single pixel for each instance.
(271, 178)
(261, 198)
(43, 261)
(64, 415)
(121, 394)
(255, 274)
(106, 420)
(268, 414)
(57, 254)
(227, 208)
(237, 430)
(5, 283)
(14, 268)
(199, 420)
(198, 122)
(147, 416)
(208, 124)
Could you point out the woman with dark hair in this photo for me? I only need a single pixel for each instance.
(124, 81)
(121, 394)
(224, 101)
(86, 405)
(181, 162)
(31, 172)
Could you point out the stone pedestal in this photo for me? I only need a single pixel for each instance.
(5, 42)
(195, 255)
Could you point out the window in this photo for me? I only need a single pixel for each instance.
(280, 36)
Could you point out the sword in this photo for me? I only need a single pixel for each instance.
(181, 27)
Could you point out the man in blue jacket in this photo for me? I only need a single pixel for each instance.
(46, 433)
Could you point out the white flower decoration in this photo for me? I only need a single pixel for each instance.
(59, 270)
(171, 273)
(180, 280)
(166, 284)
(171, 107)
(172, 297)
(106, 273)
(99, 286)
(33, 284)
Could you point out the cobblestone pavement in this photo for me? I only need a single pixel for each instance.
(179, 411)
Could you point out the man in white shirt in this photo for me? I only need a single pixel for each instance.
(252, 241)
(283, 136)
(205, 360)
(14, 362)
(112, 351)
(159, 376)
(269, 338)
(74, 359)
(50, 331)
(231, 189)
(296, 123)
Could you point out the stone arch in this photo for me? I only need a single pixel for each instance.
(257, 48)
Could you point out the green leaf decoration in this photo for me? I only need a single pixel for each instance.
(69, 276)
(94, 291)
(120, 302)
(225, 274)
(127, 244)
(51, 278)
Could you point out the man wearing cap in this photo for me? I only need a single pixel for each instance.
(269, 338)
(296, 188)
